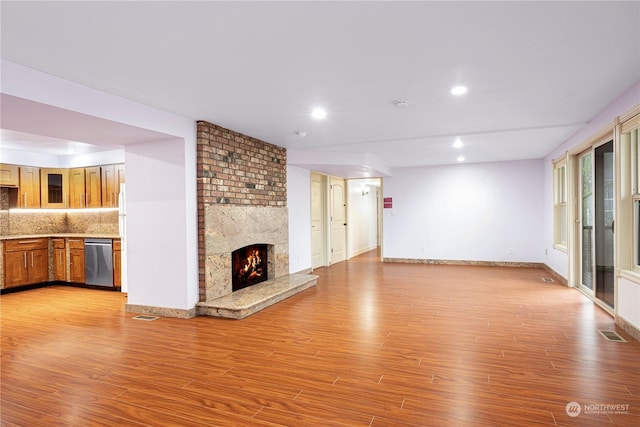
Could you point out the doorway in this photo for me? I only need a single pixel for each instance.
(597, 232)
(338, 220)
(318, 215)
(328, 220)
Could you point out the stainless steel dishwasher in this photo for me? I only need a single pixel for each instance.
(98, 262)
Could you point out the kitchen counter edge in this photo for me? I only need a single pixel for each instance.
(61, 235)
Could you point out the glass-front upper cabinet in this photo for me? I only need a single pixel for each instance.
(54, 187)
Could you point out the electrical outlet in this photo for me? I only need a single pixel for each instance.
(422, 249)
(511, 251)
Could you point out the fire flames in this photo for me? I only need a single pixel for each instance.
(252, 268)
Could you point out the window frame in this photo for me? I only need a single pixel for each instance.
(560, 204)
(629, 196)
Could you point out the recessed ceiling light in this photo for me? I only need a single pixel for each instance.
(460, 158)
(458, 90)
(318, 113)
(457, 143)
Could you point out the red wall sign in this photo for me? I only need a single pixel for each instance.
(388, 202)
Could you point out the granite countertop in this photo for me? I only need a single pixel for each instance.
(64, 235)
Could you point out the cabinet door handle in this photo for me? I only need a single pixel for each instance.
(32, 259)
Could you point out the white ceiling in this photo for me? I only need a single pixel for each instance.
(22, 141)
(536, 71)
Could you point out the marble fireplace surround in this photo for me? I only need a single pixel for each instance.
(227, 228)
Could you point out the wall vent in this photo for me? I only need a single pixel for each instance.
(145, 317)
(612, 336)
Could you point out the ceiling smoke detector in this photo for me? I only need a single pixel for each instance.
(301, 133)
(401, 104)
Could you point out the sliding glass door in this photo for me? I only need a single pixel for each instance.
(604, 227)
(597, 238)
(586, 226)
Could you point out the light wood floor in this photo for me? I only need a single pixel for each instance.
(371, 345)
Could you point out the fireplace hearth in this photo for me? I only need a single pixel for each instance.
(250, 266)
(235, 229)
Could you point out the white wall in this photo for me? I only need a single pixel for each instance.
(362, 217)
(160, 153)
(29, 158)
(157, 233)
(44, 160)
(299, 207)
(629, 301)
(473, 212)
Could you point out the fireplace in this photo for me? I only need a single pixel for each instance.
(250, 265)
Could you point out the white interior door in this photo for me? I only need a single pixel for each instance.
(338, 220)
(318, 209)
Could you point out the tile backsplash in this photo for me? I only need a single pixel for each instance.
(82, 221)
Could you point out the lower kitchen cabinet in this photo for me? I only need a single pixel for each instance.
(59, 260)
(76, 260)
(117, 263)
(15, 268)
(26, 262)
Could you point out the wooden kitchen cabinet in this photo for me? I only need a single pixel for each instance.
(54, 187)
(15, 268)
(9, 175)
(76, 260)
(117, 263)
(112, 177)
(26, 262)
(84, 187)
(76, 188)
(39, 268)
(59, 260)
(93, 187)
(29, 196)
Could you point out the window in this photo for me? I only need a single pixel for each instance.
(560, 203)
(629, 215)
(636, 234)
(634, 136)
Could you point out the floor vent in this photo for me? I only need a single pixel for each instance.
(547, 279)
(146, 318)
(612, 336)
